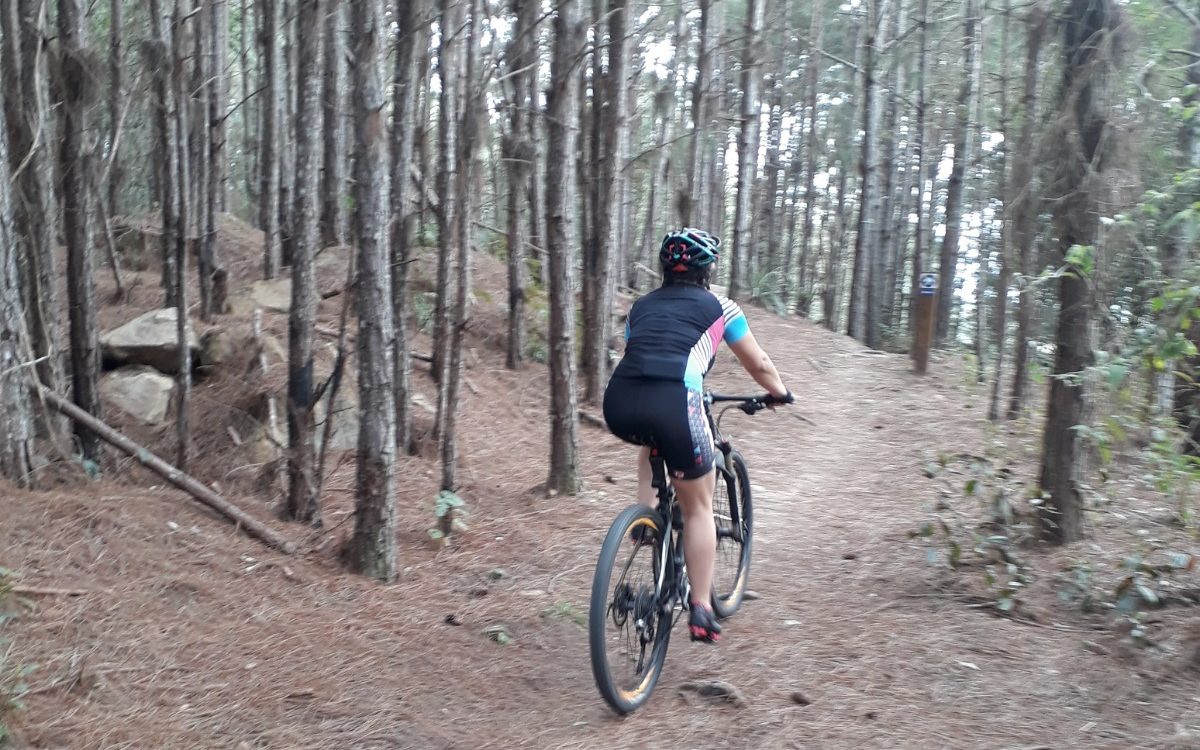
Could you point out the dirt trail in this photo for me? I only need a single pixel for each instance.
(189, 644)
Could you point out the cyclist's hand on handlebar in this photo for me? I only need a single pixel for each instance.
(771, 401)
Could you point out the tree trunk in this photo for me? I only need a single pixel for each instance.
(303, 501)
(333, 101)
(372, 549)
(16, 419)
(1000, 321)
(883, 274)
(30, 123)
(812, 77)
(449, 111)
(183, 183)
(116, 100)
(470, 103)
(689, 198)
(519, 153)
(218, 171)
(251, 108)
(157, 55)
(747, 148)
(562, 102)
(948, 264)
(408, 14)
(1082, 158)
(1025, 203)
(270, 26)
(833, 269)
(610, 85)
(77, 220)
(863, 324)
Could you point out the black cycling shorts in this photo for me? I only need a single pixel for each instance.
(662, 414)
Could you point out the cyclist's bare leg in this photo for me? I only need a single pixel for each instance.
(700, 540)
(646, 494)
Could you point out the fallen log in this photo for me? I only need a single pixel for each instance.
(250, 525)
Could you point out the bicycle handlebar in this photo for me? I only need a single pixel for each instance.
(748, 404)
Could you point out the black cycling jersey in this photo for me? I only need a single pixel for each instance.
(655, 395)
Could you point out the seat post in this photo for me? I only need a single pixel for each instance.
(658, 471)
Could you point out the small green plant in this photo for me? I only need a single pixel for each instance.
(449, 509)
(564, 610)
(423, 307)
(990, 543)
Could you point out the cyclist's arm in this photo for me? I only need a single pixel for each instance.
(758, 365)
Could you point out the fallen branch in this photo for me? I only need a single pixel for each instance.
(44, 591)
(252, 526)
(592, 419)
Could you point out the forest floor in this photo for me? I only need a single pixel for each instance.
(181, 633)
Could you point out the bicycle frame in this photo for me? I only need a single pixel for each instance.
(670, 551)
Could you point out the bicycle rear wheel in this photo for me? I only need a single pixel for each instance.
(627, 632)
(734, 515)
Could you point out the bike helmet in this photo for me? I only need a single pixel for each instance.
(689, 248)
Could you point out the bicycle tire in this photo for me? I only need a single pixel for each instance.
(729, 590)
(624, 699)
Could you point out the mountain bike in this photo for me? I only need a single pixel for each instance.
(641, 588)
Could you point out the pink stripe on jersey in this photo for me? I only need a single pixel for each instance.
(715, 332)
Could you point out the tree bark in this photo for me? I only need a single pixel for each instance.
(609, 84)
(561, 105)
(747, 148)
(158, 56)
(116, 100)
(270, 26)
(948, 264)
(919, 231)
(405, 89)
(16, 419)
(35, 213)
(303, 500)
(1025, 203)
(863, 324)
(449, 110)
(519, 153)
(812, 78)
(883, 272)
(1085, 150)
(333, 100)
(179, 149)
(689, 199)
(217, 185)
(77, 220)
(1000, 320)
(372, 548)
(471, 102)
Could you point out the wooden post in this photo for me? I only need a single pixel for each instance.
(925, 321)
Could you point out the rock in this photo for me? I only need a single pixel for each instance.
(272, 295)
(800, 698)
(141, 392)
(498, 634)
(149, 340)
(716, 689)
(219, 345)
(345, 412)
(496, 574)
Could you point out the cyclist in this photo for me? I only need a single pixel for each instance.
(655, 396)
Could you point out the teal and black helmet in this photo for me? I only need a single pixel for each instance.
(689, 248)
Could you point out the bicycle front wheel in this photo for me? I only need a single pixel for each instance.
(627, 631)
(733, 512)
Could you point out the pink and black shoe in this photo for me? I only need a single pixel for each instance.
(702, 624)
